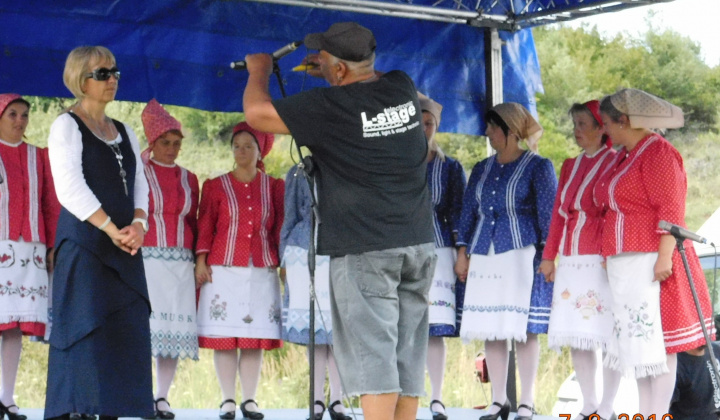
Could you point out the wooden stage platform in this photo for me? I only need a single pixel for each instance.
(300, 414)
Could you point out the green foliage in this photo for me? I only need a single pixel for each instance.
(578, 65)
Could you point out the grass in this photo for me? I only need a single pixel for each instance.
(284, 379)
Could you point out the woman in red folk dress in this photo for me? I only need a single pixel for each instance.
(581, 317)
(655, 316)
(168, 250)
(239, 223)
(28, 216)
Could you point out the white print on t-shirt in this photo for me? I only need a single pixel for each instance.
(716, 394)
(391, 121)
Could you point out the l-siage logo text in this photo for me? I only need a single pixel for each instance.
(390, 121)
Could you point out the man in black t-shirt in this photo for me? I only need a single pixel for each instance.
(697, 391)
(370, 152)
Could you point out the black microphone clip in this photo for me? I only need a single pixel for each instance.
(280, 53)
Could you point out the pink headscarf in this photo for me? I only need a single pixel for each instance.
(7, 98)
(156, 122)
(594, 108)
(264, 140)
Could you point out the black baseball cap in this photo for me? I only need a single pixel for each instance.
(345, 40)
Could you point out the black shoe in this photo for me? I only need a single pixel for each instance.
(11, 416)
(436, 414)
(160, 414)
(504, 412)
(336, 415)
(252, 415)
(582, 416)
(80, 416)
(319, 416)
(227, 415)
(532, 412)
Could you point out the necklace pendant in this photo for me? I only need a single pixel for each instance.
(125, 186)
(123, 173)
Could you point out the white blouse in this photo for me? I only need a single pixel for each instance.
(65, 152)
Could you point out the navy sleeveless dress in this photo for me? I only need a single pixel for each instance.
(100, 361)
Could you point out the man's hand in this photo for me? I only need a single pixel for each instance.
(260, 64)
(312, 62)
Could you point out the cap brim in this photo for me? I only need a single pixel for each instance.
(314, 41)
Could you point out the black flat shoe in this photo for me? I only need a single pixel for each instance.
(319, 416)
(160, 414)
(227, 415)
(582, 416)
(252, 415)
(436, 414)
(11, 416)
(504, 412)
(80, 416)
(336, 415)
(532, 412)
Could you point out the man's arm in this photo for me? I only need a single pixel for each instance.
(260, 113)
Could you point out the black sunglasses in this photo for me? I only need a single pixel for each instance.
(102, 74)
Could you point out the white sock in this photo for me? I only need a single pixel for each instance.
(321, 361)
(498, 358)
(226, 364)
(528, 360)
(335, 383)
(663, 387)
(585, 364)
(10, 350)
(250, 366)
(644, 395)
(165, 373)
(611, 382)
(436, 370)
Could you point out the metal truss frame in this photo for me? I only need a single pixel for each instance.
(498, 14)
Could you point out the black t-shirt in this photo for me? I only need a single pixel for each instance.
(694, 396)
(370, 152)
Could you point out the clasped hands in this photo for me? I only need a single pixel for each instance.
(129, 239)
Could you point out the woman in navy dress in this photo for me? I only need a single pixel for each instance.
(505, 219)
(446, 181)
(99, 359)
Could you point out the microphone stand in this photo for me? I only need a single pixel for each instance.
(306, 164)
(708, 345)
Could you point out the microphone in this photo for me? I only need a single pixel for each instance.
(282, 52)
(680, 232)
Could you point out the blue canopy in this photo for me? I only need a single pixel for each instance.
(179, 51)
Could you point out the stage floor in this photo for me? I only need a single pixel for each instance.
(298, 414)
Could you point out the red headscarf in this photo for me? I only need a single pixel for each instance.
(264, 140)
(594, 108)
(156, 122)
(8, 98)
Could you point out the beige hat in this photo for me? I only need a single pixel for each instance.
(647, 111)
(427, 104)
(520, 122)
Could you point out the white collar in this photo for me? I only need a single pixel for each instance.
(164, 165)
(6, 143)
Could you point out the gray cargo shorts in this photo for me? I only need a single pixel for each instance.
(379, 302)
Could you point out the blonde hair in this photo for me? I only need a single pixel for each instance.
(78, 63)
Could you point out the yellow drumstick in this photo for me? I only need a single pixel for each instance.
(305, 67)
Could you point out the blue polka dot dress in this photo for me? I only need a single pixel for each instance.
(507, 207)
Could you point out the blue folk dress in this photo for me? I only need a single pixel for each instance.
(446, 181)
(294, 242)
(100, 360)
(505, 219)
